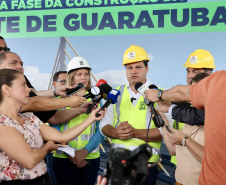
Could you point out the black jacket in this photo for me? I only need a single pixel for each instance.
(188, 115)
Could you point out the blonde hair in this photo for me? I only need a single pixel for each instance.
(71, 80)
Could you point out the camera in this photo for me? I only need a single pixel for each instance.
(125, 167)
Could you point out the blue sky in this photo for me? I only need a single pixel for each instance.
(168, 53)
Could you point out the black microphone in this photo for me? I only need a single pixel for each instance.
(93, 92)
(141, 88)
(104, 89)
(75, 89)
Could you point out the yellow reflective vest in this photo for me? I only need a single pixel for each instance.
(138, 117)
(82, 140)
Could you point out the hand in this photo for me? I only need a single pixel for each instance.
(93, 114)
(101, 180)
(85, 106)
(80, 155)
(176, 137)
(75, 101)
(80, 164)
(164, 106)
(51, 146)
(124, 131)
(152, 95)
(164, 118)
(61, 90)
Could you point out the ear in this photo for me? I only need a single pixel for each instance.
(54, 84)
(147, 69)
(209, 72)
(6, 89)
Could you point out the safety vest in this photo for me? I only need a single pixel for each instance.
(176, 125)
(83, 139)
(138, 117)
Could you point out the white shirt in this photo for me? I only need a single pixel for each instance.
(109, 116)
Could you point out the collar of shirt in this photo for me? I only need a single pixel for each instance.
(136, 95)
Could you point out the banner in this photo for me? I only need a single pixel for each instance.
(49, 18)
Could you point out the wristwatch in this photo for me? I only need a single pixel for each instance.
(160, 95)
(54, 92)
(183, 142)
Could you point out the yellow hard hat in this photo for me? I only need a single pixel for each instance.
(134, 54)
(200, 59)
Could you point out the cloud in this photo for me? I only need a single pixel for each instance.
(113, 77)
(151, 57)
(40, 81)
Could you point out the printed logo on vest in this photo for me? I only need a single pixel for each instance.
(131, 55)
(142, 106)
(193, 59)
(81, 62)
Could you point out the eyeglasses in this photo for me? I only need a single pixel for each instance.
(5, 49)
(63, 82)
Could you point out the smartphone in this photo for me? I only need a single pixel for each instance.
(167, 128)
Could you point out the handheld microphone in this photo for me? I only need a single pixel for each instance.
(141, 88)
(93, 91)
(112, 98)
(100, 82)
(104, 89)
(75, 89)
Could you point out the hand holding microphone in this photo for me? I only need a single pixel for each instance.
(75, 89)
(100, 92)
(141, 88)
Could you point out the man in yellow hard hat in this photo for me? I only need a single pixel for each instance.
(126, 122)
(199, 61)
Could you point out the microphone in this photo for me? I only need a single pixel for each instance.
(93, 91)
(112, 98)
(75, 89)
(141, 88)
(104, 89)
(100, 82)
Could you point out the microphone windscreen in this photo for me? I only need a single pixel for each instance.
(152, 86)
(113, 95)
(138, 85)
(104, 89)
(100, 82)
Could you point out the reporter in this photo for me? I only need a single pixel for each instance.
(27, 133)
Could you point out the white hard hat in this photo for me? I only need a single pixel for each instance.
(78, 63)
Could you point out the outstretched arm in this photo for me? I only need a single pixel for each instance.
(25, 155)
(49, 133)
(39, 103)
(178, 93)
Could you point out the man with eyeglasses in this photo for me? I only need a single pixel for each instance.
(3, 45)
(60, 78)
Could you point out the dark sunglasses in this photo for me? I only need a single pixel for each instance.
(5, 49)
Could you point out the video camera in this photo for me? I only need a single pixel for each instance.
(125, 167)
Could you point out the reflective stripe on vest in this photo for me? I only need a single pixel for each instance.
(135, 117)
